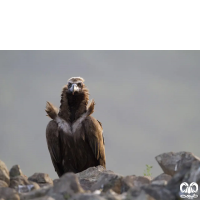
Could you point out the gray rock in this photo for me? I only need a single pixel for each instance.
(137, 194)
(44, 198)
(162, 176)
(111, 195)
(159, 182)
(97, 178)
(41, 179)
(161, 179)
(189, 173)
(15, 171)
(89, 176)
(107, 181)
(4, 173)
(158, 192)
(172, 162)
(68, 185)
(35, 193)
(87, 196)
(134, 181)
(55, 181)
(8, 194)
(3, 184)
(22, 184)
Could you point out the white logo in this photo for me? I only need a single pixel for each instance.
(189, 190)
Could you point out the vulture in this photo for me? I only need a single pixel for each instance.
(74, 138)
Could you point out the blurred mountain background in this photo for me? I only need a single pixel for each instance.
(147, 101)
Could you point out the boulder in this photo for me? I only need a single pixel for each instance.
(189, 173)
(138, 194)
(162, 179)
(134, 181)
(108, 180)
(4, 173)
(41, 179)
(89, 176)
(100, 179)
(68, 185)
(22, 184)
(15, 171)
(8, 193)
(40, 193)
(3, 184)
(172, 162)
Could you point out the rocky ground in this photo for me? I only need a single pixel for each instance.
(100, 184)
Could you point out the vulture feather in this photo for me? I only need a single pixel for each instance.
(74, 138)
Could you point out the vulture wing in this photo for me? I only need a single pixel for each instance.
(53, 142)
(94, 135)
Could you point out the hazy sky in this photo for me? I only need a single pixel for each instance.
(148, 103)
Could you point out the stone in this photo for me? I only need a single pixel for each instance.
(162, 176)
(22, 184)
(8, 194)
(189, 173)
(89, 176)
(159, 182)
(40, 193)
(161, 179)
(4, 173)
(111, 195)
(138, 194)
(86, 196)
(107, 181)
(172, 162)
(3, 184)
(15, 171)
(41, 179)
(134, 181)
(44, 198)
(68, 185)
(158, 192)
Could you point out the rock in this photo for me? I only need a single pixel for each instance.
(21, 184)
(89, 176)
(87, 196)
(97, 178)
(108, 180)
(4, 173)
(172, 162)
(188, 173)
(134, 181)
(162, 179)
(162, 176)
(158, 192)
(41, 179)
(137, 194)
(111, 195)
(3, 184)
(55, 181)
(8, 194)
(68, 185)
(159, 182)
(35, 193)
(15, 171)
(44, 198)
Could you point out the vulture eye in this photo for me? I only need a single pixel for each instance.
(79, 84)
(69, 85)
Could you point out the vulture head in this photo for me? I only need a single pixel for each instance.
(75, 85)
(74, 99)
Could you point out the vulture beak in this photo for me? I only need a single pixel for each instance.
(74, 88)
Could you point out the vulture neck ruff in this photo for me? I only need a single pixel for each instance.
(67, 127)
(72, 108)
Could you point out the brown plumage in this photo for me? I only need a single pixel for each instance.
(74, 138)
